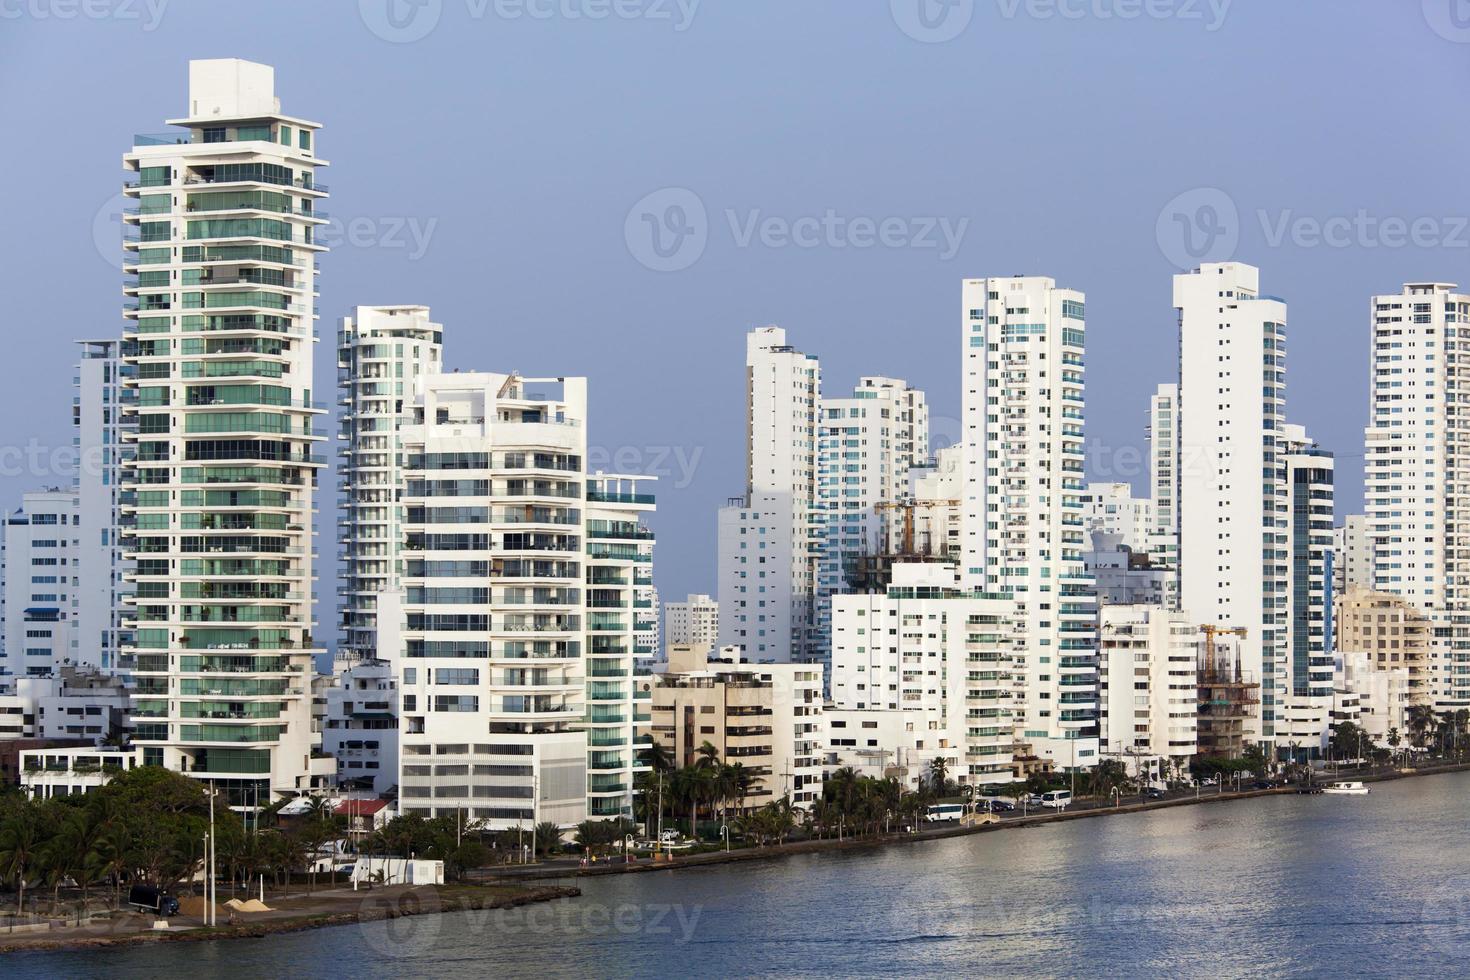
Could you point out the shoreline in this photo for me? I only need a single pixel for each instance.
(776, 851)
(407, 901)
(372, 907)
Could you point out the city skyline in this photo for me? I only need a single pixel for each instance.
(418, 238)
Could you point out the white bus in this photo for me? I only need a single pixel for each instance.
(1057, 799)
(944, 811)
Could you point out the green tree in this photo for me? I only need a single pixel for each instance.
(939, 774)
(21, 844)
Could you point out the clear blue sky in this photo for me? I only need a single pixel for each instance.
(520, 144)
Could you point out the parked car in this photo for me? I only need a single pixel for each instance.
(1034, 800)
(1209, 781)
(1154, 793)
(1000, 806)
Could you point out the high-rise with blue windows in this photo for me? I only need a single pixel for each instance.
(866, 445)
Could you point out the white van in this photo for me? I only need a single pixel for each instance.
(1057, 799)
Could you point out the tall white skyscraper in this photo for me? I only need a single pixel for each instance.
(1416, 468)
(769, 540)
(865, 448)
(519, 609)
(383, 355)
(102, 437)
(1163, 480)
(220, 265)
(1023, 344)
(41, 582)
(1232, 494)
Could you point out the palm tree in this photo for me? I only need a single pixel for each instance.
(20, 845)
(112, 856)
(745, 781)
(707, 754)
(658, 758)
(547, 837)
(1419, 717)
(939, 774)
(691, 787)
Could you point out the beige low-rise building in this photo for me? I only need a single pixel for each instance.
(766, 717)
(1395, 635)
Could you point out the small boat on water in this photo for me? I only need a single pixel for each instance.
(1346, 789)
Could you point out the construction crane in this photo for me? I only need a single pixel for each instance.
(1211, 632)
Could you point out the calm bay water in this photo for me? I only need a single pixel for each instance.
(1280, 887)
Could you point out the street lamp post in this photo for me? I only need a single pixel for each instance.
(725, 833)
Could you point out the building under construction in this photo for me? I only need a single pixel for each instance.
(1229, 697)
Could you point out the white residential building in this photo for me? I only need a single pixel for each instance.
(866, 445)
(940, 654)
(68, 704)
(1415, 471)
(1384, 693)
(769, 539)
(884, 742)
(1163, 478)
(73, 771)
(383, 354)
(220, 265)
(1149, 657)
(1111, 507)
(693, 622)
(1352, 556)
(360, 725)
(41, 585)
(1023, 345)
(519, 607)
(1232, 510)
(102, 439)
